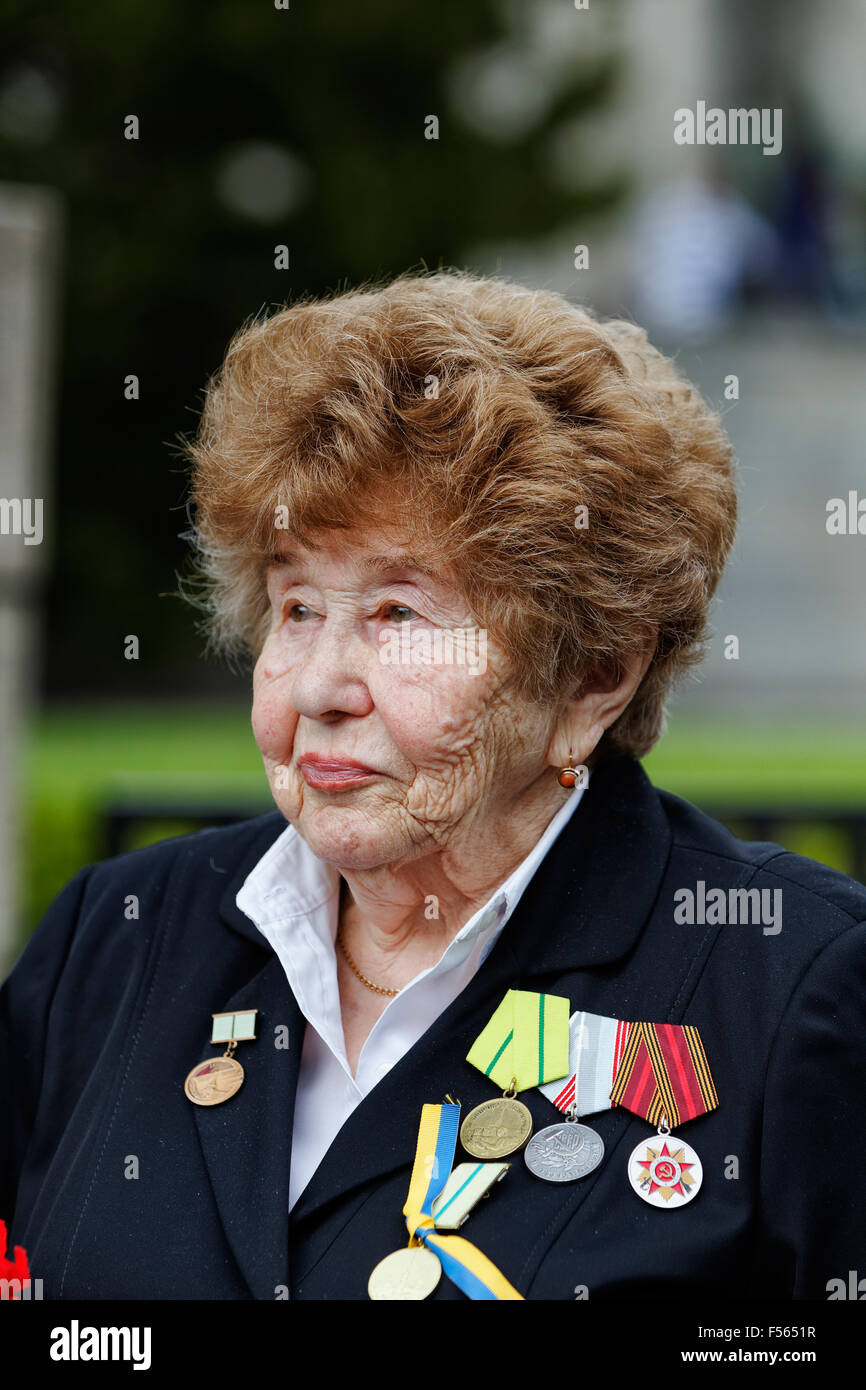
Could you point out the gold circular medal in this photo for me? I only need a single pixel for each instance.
(412, 1273)
(212, 1082)
(496, 1128)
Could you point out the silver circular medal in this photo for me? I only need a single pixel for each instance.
(564, 1152)
(665, 1172)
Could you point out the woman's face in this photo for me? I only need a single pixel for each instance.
(386, 719)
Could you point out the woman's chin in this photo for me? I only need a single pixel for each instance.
(351, 839)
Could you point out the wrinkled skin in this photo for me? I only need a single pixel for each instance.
(466, 783)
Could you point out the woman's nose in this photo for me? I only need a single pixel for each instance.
(331, 675)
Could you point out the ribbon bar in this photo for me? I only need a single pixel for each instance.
(664, 1074)
(595, 1048)
(526, 1041)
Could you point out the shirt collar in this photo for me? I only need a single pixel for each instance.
(496, 912)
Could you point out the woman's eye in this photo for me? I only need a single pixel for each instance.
(398, 612)
(298, 612)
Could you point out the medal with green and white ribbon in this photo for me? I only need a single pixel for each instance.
(524, 1044)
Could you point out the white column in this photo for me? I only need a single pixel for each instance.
(30, 223)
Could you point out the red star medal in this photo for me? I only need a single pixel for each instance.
(665, 1172)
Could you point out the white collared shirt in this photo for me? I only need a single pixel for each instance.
(293, 898)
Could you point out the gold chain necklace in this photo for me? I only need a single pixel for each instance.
(377, 989)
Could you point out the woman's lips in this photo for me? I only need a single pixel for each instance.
(333, 774)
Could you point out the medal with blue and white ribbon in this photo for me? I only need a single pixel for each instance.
(414, 1272)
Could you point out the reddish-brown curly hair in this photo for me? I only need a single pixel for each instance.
(488, 413)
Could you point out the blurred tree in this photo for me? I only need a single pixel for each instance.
(258, 126)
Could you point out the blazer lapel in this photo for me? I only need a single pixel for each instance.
(246, 1142)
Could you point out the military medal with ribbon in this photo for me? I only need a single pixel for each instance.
(566, 1152)
(658, 1070)
(216, 1080)
(524, 1044)
(664, 1077)
(414, 1272)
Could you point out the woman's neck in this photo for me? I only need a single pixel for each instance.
(398, 919)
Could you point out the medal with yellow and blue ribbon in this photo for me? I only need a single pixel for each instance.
(524, 1044)
(414, 1272)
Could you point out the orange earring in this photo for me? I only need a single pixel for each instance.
(568, 775)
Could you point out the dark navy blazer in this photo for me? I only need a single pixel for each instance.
(103, 1017)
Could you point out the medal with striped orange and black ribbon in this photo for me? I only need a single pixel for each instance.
(665, 1078)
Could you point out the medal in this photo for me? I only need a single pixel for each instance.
(666, 1173)
(524, 1044)
(564, 1152)
(219, 1078)
(496, 1127)
(664, 1077)
(568, 1151)
(410, 1273)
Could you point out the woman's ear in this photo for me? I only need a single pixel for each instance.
(598, 704)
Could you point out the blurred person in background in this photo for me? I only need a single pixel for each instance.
(698, 246)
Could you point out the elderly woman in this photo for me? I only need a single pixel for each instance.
(469, 534)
